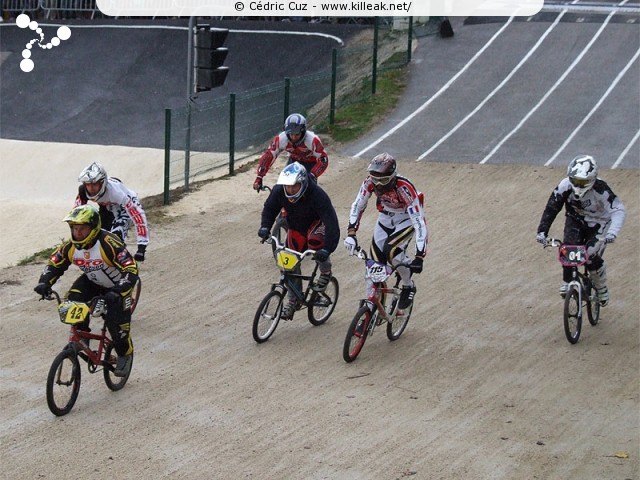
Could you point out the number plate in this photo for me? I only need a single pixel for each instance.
(286, 260)
(573, 255)
(378, 272)
(73, 313)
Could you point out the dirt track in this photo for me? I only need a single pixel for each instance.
(481, 385)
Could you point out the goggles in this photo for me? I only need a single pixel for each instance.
(580, 182)
(380, 180)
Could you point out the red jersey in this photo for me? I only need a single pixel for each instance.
(309, 151)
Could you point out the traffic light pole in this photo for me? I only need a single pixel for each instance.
(190, 89)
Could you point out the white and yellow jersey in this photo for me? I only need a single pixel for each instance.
(105, 263)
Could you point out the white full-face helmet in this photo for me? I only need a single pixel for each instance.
(94, 173)
(582, 173)
(295, 180)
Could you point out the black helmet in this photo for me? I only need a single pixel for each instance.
(382, 171)
(295, 124)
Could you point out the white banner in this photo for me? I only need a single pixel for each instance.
(319, 8)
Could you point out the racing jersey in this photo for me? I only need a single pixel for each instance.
(120, 202)
(598, 208)
(314, 205)
(401, 200)
(309, 152)
(106, 263)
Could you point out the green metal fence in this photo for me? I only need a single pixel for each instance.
(218, 136)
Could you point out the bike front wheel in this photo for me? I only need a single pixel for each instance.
(356, 334)
(109, 364)
(267, 316)
(322, 304)
(399, 321)
(63, 382)
(572, 315)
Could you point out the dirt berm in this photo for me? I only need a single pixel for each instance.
(482, 384)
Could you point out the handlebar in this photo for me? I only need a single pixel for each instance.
(279, 246)
(556, 242)
(53, 295)
(362, 254)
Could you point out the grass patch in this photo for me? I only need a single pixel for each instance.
(43, 254)
(356, 119)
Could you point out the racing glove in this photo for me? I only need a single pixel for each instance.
(351, 244)
(43, 289)
(263, 233)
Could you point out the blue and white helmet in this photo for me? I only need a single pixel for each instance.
(582, 173)
(294, 174)
(295, 124)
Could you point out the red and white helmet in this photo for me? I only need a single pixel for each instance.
(382, 171)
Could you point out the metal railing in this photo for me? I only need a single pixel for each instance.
(203, 138)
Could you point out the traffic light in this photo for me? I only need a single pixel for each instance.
(209, 57)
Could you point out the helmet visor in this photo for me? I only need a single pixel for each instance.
(294, 129)
(580, 182)
(378, 179)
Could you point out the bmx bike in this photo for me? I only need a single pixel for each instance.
(63, 380)
(580, 292)
(319, 305)
(379, 307)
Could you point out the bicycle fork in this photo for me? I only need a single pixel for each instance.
(578, 286)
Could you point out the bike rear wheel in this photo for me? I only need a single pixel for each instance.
(267, 316)
(593, 307)
(399, 320)
(356, 334)
(322, 304)
(63, 382)
(109, 364)
(572, 315)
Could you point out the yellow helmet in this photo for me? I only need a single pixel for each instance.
(84, 215)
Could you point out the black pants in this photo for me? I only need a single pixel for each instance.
(576, 232)
(118, 320)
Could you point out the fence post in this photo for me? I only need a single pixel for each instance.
(167, 154)
(409, 39)
(334, 74)
(232, 132)
(187, 148)
(287, 93)
(374, 72)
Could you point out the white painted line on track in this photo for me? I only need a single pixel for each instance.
(438, 93)
(551, 90)
(626, 150)
(173, 27)
(495, 90)
(593, 110)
